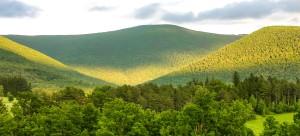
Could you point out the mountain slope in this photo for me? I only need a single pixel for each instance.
(129, 56)
(271, 51)
(16, 60)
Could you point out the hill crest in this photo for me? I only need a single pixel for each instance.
(269, 51)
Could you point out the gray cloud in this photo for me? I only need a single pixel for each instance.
(179, 18)
(100, 8)
(247, 9)
(147, 11)
(289, 5)
(14, 8)
(240, 10)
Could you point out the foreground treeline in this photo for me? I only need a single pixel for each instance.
(69, 112)
(266, 95)
(198, 108)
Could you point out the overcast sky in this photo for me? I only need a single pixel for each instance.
(53, 17)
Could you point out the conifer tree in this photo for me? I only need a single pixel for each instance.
(236, 78)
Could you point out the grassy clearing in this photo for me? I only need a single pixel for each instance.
(257, 124)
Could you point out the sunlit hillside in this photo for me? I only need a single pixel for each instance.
(129, 56)
(29, 53)
(270, 51)
(19, 60)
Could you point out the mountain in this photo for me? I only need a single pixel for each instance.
(19, 60)
(129, 56)
(270, 51)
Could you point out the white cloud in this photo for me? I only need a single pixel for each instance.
(75, 17)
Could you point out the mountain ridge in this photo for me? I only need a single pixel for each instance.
(128, 56)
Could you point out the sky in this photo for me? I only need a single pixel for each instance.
(64, 17)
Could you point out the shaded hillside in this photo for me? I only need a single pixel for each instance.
(270, 51)
(19, 60)
(129, 56)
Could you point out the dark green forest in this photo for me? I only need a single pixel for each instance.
(126, 48)
(208, 107)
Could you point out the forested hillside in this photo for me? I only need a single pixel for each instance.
(268, 51)
(19, 60)
(196, 108)
(129, 56)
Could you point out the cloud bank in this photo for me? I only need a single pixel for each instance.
(147, 11)
(234, 11)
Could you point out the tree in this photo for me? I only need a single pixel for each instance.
(99, 96)
(90, 118)
(253, 102)
(3, 108)
(283, 129)
(10, 97)
(201, 113)
(204, 98)
(15, 85)
(64, 120)
(7, 124)
(206, 81)
(270, 126)
(236, 78)
(122, 118)
(71, 94)
(231, 118)
(1, 91)
(173, 123)
(29, 102)
(261, 107)
(297, 118)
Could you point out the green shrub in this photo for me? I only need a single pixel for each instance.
(10, 97)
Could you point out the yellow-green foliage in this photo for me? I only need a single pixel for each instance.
(29, 54)
(269, 51)
(139, 74)
(270, 45)
(132, 76)
(7, 103)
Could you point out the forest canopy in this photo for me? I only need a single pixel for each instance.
(197, 108)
